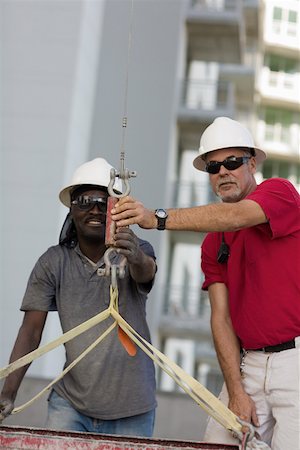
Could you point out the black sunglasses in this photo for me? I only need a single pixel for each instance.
(231, 163)
(88, 202)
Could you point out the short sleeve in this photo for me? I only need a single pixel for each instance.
(281, 204)
(41, 287)
(212, 270)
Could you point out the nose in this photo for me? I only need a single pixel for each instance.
(223, 170)
(96, 208)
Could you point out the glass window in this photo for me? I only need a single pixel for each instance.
(270, 116)
(278, 116)
(284, 169)
(292, 16)
(274, 63)
(278, 63)
(267, 169)
(298, 173)
(277, 13)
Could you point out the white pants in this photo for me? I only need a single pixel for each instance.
(273, 382)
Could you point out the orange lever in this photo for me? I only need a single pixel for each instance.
(127, 343)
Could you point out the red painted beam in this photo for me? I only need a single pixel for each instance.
(16, 438)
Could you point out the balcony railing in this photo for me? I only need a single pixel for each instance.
(192, 193)
(287, 29)
(216, 5)
(281, 85)
(186, 302)
(284, 140)
(284, 34)
(207, 95)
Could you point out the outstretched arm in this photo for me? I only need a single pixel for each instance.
(28, 339)
(228, 351)
(213, 217)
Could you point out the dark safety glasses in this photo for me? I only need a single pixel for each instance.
(231, 163)
(87, 202)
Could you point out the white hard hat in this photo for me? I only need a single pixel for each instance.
(95, 172)
(225, 133)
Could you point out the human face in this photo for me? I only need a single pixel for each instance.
(232, 185)
(90, 223)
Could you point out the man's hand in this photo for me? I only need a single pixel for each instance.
(6, 407)
(129, 211)
(243, 406)
(142, 267)
(127, 244)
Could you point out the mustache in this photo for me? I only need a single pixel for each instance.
(224, 181)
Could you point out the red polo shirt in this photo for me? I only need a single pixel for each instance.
(263, 270)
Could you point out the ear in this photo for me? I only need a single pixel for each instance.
(252, 164)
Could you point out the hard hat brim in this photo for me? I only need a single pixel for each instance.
(200, 164)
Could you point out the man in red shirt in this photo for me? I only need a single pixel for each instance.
(251, 262)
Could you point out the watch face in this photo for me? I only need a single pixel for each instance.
(161, 213)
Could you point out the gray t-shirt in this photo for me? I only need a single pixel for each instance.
(108, 383)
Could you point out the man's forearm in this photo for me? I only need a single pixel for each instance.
(25, 343)
(228, 353)
(213, 217)
(144, 270)
(216, 217)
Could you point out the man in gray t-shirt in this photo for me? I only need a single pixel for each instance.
(108, 391)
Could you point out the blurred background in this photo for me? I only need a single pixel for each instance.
(63, 71)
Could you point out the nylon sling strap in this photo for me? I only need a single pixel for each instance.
(204, 398)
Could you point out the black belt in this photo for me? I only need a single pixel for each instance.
(276, 348)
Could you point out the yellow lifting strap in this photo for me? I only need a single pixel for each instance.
(213, 406)
(192, 387)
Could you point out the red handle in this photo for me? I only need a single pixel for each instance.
(110, 224)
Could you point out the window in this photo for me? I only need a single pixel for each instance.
(285, 21)
(292, 16)
(278, 116)
(277, 13)
(283, 169)
(281, 130)
(278, 63)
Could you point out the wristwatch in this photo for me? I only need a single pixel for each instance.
(161, 215)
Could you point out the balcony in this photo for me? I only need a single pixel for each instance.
(216, 30)
(280, 140)
(192, 193)
(186, 313)
(223, 10)
(205, 100)
(281, 87)
(282, 34)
